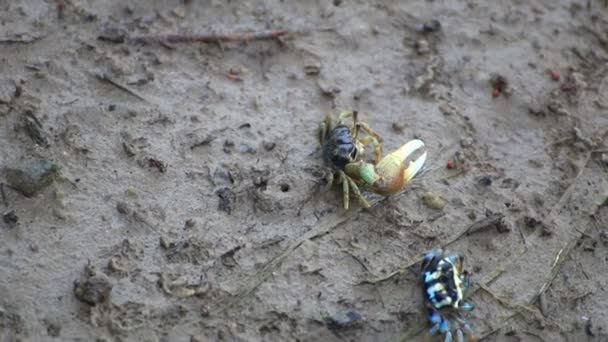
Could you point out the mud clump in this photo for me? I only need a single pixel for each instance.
(433, 201)
(31, 179)
(95, 288)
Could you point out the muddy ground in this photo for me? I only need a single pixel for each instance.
(190, 174)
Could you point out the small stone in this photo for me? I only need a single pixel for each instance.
(179, 11)
(228, 145)
(32, 178)
(114, 265)
(164, 243)
(343, 320)
(485, 180)
(53, 328)
(7, 90)
(431, 26)
(269, 145)
(433, 201)
(190, 223)
(123, 208)
(422, 47)
(327, 89)
(112, 33)
(222, 177)
(466, 142)
(205, 310)
(132, 193)
(605, 158)
(227, 198)
(247, 149)
(10, 218)
(312, 68)
(4, 109)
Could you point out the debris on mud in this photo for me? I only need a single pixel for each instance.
(181, 289)
(187, 251)
(10, 218)
(500, 85)
(431, 26)
(228, 257)
(533, 224)
(312, 67)
(157, 164)
(269, 145)
(422, 47)
(8, 90)
(492, 220)
(123, 208)
(433, 201)
(327, 89)
(112, 33)
(94, 287)
(343, 320)
(53, 327)
(32, 177)
(227, 198)
(32, 126)
(247, 149)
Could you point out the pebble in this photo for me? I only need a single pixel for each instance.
(343, 320)
(466, 142)
(431, 26)
(433, 201)
(10, 218)
(422, 47)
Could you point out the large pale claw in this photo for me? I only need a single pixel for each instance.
(393, 175)
(415, 166)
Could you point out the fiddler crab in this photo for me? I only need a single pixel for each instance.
(342, 147)
(445, 284)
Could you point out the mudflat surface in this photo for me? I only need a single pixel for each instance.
(190, 174)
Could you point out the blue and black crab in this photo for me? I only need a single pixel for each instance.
(445, 285)
(342, 148)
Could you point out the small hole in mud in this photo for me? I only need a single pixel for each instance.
(284, 187)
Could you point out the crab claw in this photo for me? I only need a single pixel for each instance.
(392, 173)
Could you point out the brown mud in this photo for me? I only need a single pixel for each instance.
(186, 206)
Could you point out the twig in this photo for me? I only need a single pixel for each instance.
(210, 38)
(510, 305)
(416, 259)
(3, 195)
(602, 40)
(259, 277)
(106, 78)
(566, 195)
(484, 223)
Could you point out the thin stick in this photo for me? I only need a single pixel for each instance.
(484, 223)
(3, 195)
(566, 195)
(210, 38)
(106, 78)
(259, 277)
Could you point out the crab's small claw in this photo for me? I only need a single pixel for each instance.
(391, 171)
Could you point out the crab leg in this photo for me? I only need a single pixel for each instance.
(342, 178)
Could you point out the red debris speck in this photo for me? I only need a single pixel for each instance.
(496, 92)
(60, 6)
(450, 165)
(555, 75)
